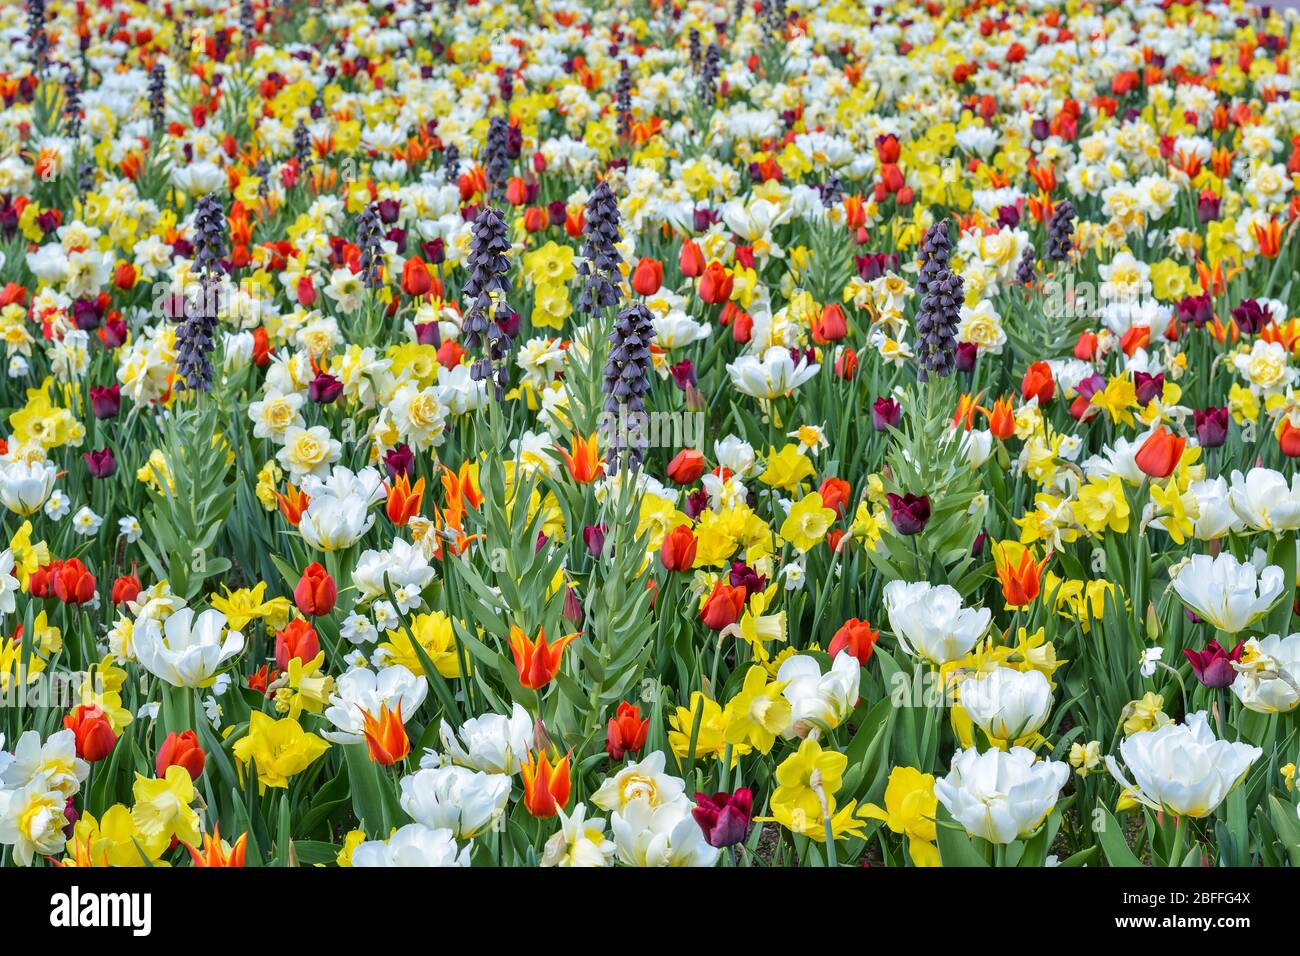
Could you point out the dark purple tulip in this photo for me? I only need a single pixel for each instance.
(86, 315)
(435, 251)
(724, 817)
(703, 218)
(886, 413)
(388, 211)
(1008, 216)
(1195, 310)
(683, 374)
(1213, 666)
(324, 388)
(1090, 386)
(696, 502)
(1148, 386)
(910, 513)
(572, 607)
(1040, 129)
(1211, 426)
(742, 575)
(556, 213)
(977, 548)
(594, 537)
(106, 402)
(1207, 207)
(427, 333)
(875, 264)
(400, 461)
(100, 463)
(510, 324)
(114, 332)
(965, 356)
(1251, 317)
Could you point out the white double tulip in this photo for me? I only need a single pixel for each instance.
(1005, 703)
(186, 650)
(1226, 593)
(1001, 794)
(774, 375)
(363, 692)
(930, 622)
(666, 834)
(1264, 500)
(1182, 768)
(817, 700)
(1268, 675)
(464, 801)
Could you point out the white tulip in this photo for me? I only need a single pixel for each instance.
(1006, 703)
(1182, 768)
(466, 802)
(413, 845)
(1228, 594)
(1215, 515)
(930, 621)
(186, 650)
(774, 375)
(331, 524)
(25, 485)
(1001, 794)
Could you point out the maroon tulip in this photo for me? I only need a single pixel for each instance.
(428, 333)
(724, 817)
(886, 413)
(400, 461)
(1213, 666)
(910, 513)
(106, 402)
(324, 389)
(1211, 426)
(593, 536)
(1148, 386)
(100, 463)
(965, 356)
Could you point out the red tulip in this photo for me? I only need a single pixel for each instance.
(94, 734)
(648, 276)
(181, 750)
(316, 593)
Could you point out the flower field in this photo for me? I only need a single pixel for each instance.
(649, 433)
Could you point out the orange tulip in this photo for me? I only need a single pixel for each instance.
(536, 661)
(583, 460)
(218, 853)
(385, 736)
(1159, 454)
(1269, 237)
(546, 786)
(292, 504)
(403, 500)
(1002, 419)
(1021, 583)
